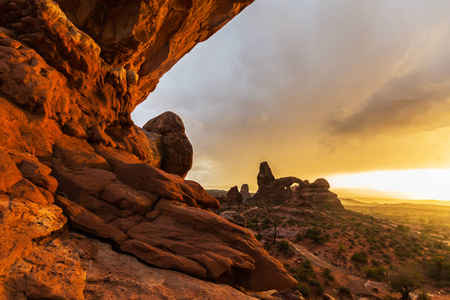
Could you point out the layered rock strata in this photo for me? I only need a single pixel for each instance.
(70, 74)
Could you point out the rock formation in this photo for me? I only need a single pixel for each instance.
(245, 191)
(294, 191)
(175, 146)
(234, 197)
(234, 217)
(265, 176)
(71, 72)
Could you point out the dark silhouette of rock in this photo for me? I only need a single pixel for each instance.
(294, 191)
(234, 197)
(265, 176)
(245, 191)
(177, 151)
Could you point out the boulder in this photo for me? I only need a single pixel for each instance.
(177, 150)
(234, 217)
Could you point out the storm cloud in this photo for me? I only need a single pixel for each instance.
(315, 88)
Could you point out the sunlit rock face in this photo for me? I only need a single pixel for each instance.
(70, 74)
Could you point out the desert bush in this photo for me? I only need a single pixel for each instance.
(402, 228)
(316, 283)
(345, 291)
(259, 236)
(314, 233)
(377, 273)
(291, 222)
(299, 237)
(438, 269)
(303, 289)
(304, 271)
(405, 280)
(359, 257)
(285, 247)
(326, 273)
(402, 252)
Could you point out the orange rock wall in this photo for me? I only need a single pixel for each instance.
(71, 72)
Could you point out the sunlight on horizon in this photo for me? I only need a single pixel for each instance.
(416, 184)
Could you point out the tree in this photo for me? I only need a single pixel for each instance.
(405, 280)
(273, 220)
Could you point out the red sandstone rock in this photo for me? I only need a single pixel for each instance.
(149, 179)
(280, 191)
(21, 223)
(9, 174)
(89, 222)
(265, 176)
(234, 197)
(75, 152)
(38, 174)
(177, 150)
(67, 90)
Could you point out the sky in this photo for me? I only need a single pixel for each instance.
(334, 89)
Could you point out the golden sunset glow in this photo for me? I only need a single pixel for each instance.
(319, 88)
(410, 184)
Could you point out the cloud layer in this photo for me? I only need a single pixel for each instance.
(315, 88)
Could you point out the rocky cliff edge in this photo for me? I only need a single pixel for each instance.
(71, 159)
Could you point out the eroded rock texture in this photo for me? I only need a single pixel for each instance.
(71, 71)
(294, 191)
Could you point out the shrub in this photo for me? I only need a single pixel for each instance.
(303, 289)
(258, 236)
(304, 271)
(377, 273)
(359, 257)
(316, 234)
(291, 222)
(341, 247)
(299, 237)
(285, 247)
(316, 283)
(326, 273)
(405, 280)
(345, 291)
